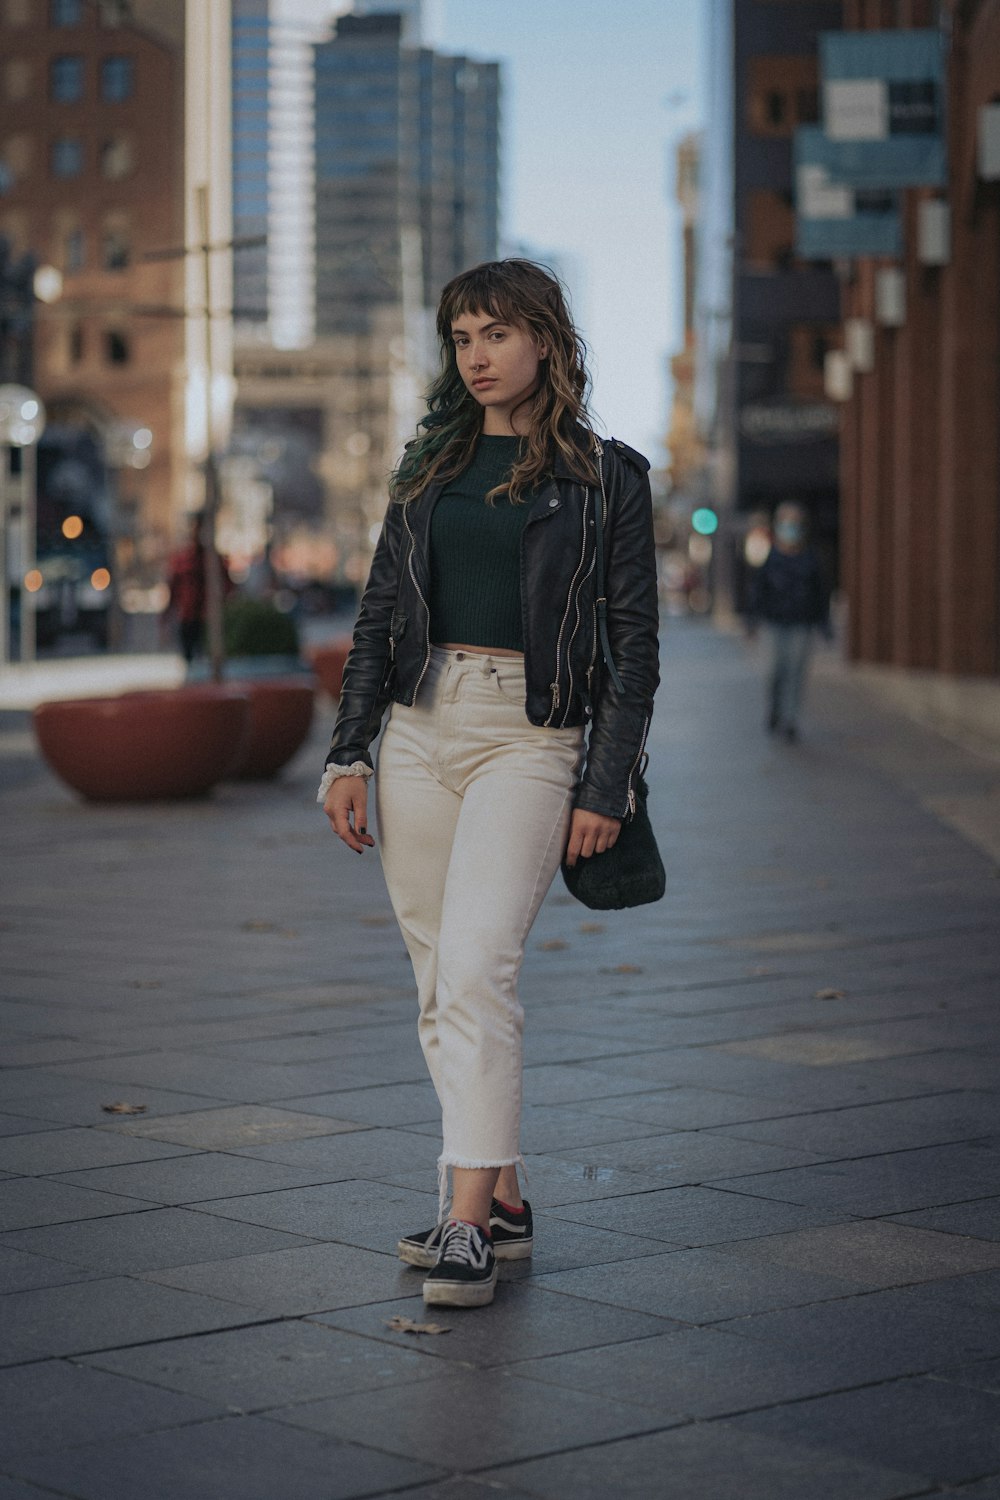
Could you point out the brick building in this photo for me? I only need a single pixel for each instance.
(920, 431)
(92, 146)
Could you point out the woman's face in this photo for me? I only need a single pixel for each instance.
(499, 364)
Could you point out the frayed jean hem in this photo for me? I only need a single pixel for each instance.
(467, 1164)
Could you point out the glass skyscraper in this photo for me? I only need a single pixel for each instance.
(407, 170)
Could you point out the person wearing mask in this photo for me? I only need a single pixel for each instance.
(789, 595)
(507, 742)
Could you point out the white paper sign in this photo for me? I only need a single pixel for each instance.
(856, 109)
(819, 198)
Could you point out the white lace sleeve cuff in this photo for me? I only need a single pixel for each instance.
(357, 768)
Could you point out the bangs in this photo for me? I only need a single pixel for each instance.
(487, 291)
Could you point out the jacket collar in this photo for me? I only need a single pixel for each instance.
(561, 469)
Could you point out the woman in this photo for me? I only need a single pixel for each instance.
(478, 624)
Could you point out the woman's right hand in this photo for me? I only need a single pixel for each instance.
(346, 806)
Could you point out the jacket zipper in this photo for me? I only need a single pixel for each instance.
(420, 596)
(630, 799)
(554, 686)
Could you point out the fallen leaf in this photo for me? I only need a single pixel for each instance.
(829, 994)
(146, 984)
(122, 1107)
(553, 945)
(376, 919)
(256, 924)
(399, 1324)
(592, 927)
(623, 969)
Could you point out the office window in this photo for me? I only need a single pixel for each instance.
(114, 248)
(16, 80)
(73, 251)
(782, 93)
(117, 78)
(66, 78)
(66, 12)
(117, 158)
(18, 151)
(67, 157)
(116, 347)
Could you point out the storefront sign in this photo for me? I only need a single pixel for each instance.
(883, 106)
(833, 217)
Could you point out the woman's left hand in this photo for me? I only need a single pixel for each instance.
(590, 833)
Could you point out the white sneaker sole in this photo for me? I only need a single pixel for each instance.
(460, 1293)
(416, 1255)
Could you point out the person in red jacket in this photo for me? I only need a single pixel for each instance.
(187, 578)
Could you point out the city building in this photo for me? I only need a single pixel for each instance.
(765, 317)
(921, 441)
(407, 170)
(683, 442)
(274, 167)
(112, 126)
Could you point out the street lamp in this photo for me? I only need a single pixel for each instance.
(22, 422)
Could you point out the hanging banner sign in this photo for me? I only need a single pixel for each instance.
(833, 218)
(883, 104)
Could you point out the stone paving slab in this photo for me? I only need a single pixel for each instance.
(270, 1365)
(290, 1283)
(714, 1460)
(870, 1252)
(228, 1128)
(56, 1404)
(522, 1323)
(496, 1418)
(77, 1319)
(367, 1214)
(28, 1201)
(159, 1237)
(196, 1176)
(237, 1458)
(946, 1432)
(696, 1286)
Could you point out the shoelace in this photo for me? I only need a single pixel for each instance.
(457, 1244)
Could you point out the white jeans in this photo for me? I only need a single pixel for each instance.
(473, 809)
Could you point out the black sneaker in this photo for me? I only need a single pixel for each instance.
(466, 1271)
(513, 1235)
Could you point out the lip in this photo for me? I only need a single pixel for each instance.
(483, 382)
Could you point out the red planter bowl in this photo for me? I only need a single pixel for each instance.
(281, 713)
(328, 663)
(142, 747)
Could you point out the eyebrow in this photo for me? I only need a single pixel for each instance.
(497, 323)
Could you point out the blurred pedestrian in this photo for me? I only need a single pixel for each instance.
(188, 581)
(478, 625)
(789, 594)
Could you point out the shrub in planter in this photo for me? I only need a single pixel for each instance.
(253, 627)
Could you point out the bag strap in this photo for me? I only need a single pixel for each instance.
(600, 511)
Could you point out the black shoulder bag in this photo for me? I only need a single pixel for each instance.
(631, 872)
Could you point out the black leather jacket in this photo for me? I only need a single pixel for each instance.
(567, 683)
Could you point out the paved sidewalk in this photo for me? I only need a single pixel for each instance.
(762, 1129)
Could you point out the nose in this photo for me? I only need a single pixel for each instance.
(477, 358)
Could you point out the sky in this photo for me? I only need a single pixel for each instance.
(596, 95)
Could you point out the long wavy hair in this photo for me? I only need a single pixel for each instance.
(529, 297)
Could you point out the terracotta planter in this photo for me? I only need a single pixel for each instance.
(145, 746)
(328, 663)
(281, 714)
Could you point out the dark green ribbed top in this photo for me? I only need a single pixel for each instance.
(476, 554)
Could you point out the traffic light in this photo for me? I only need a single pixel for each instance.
(705, 521)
